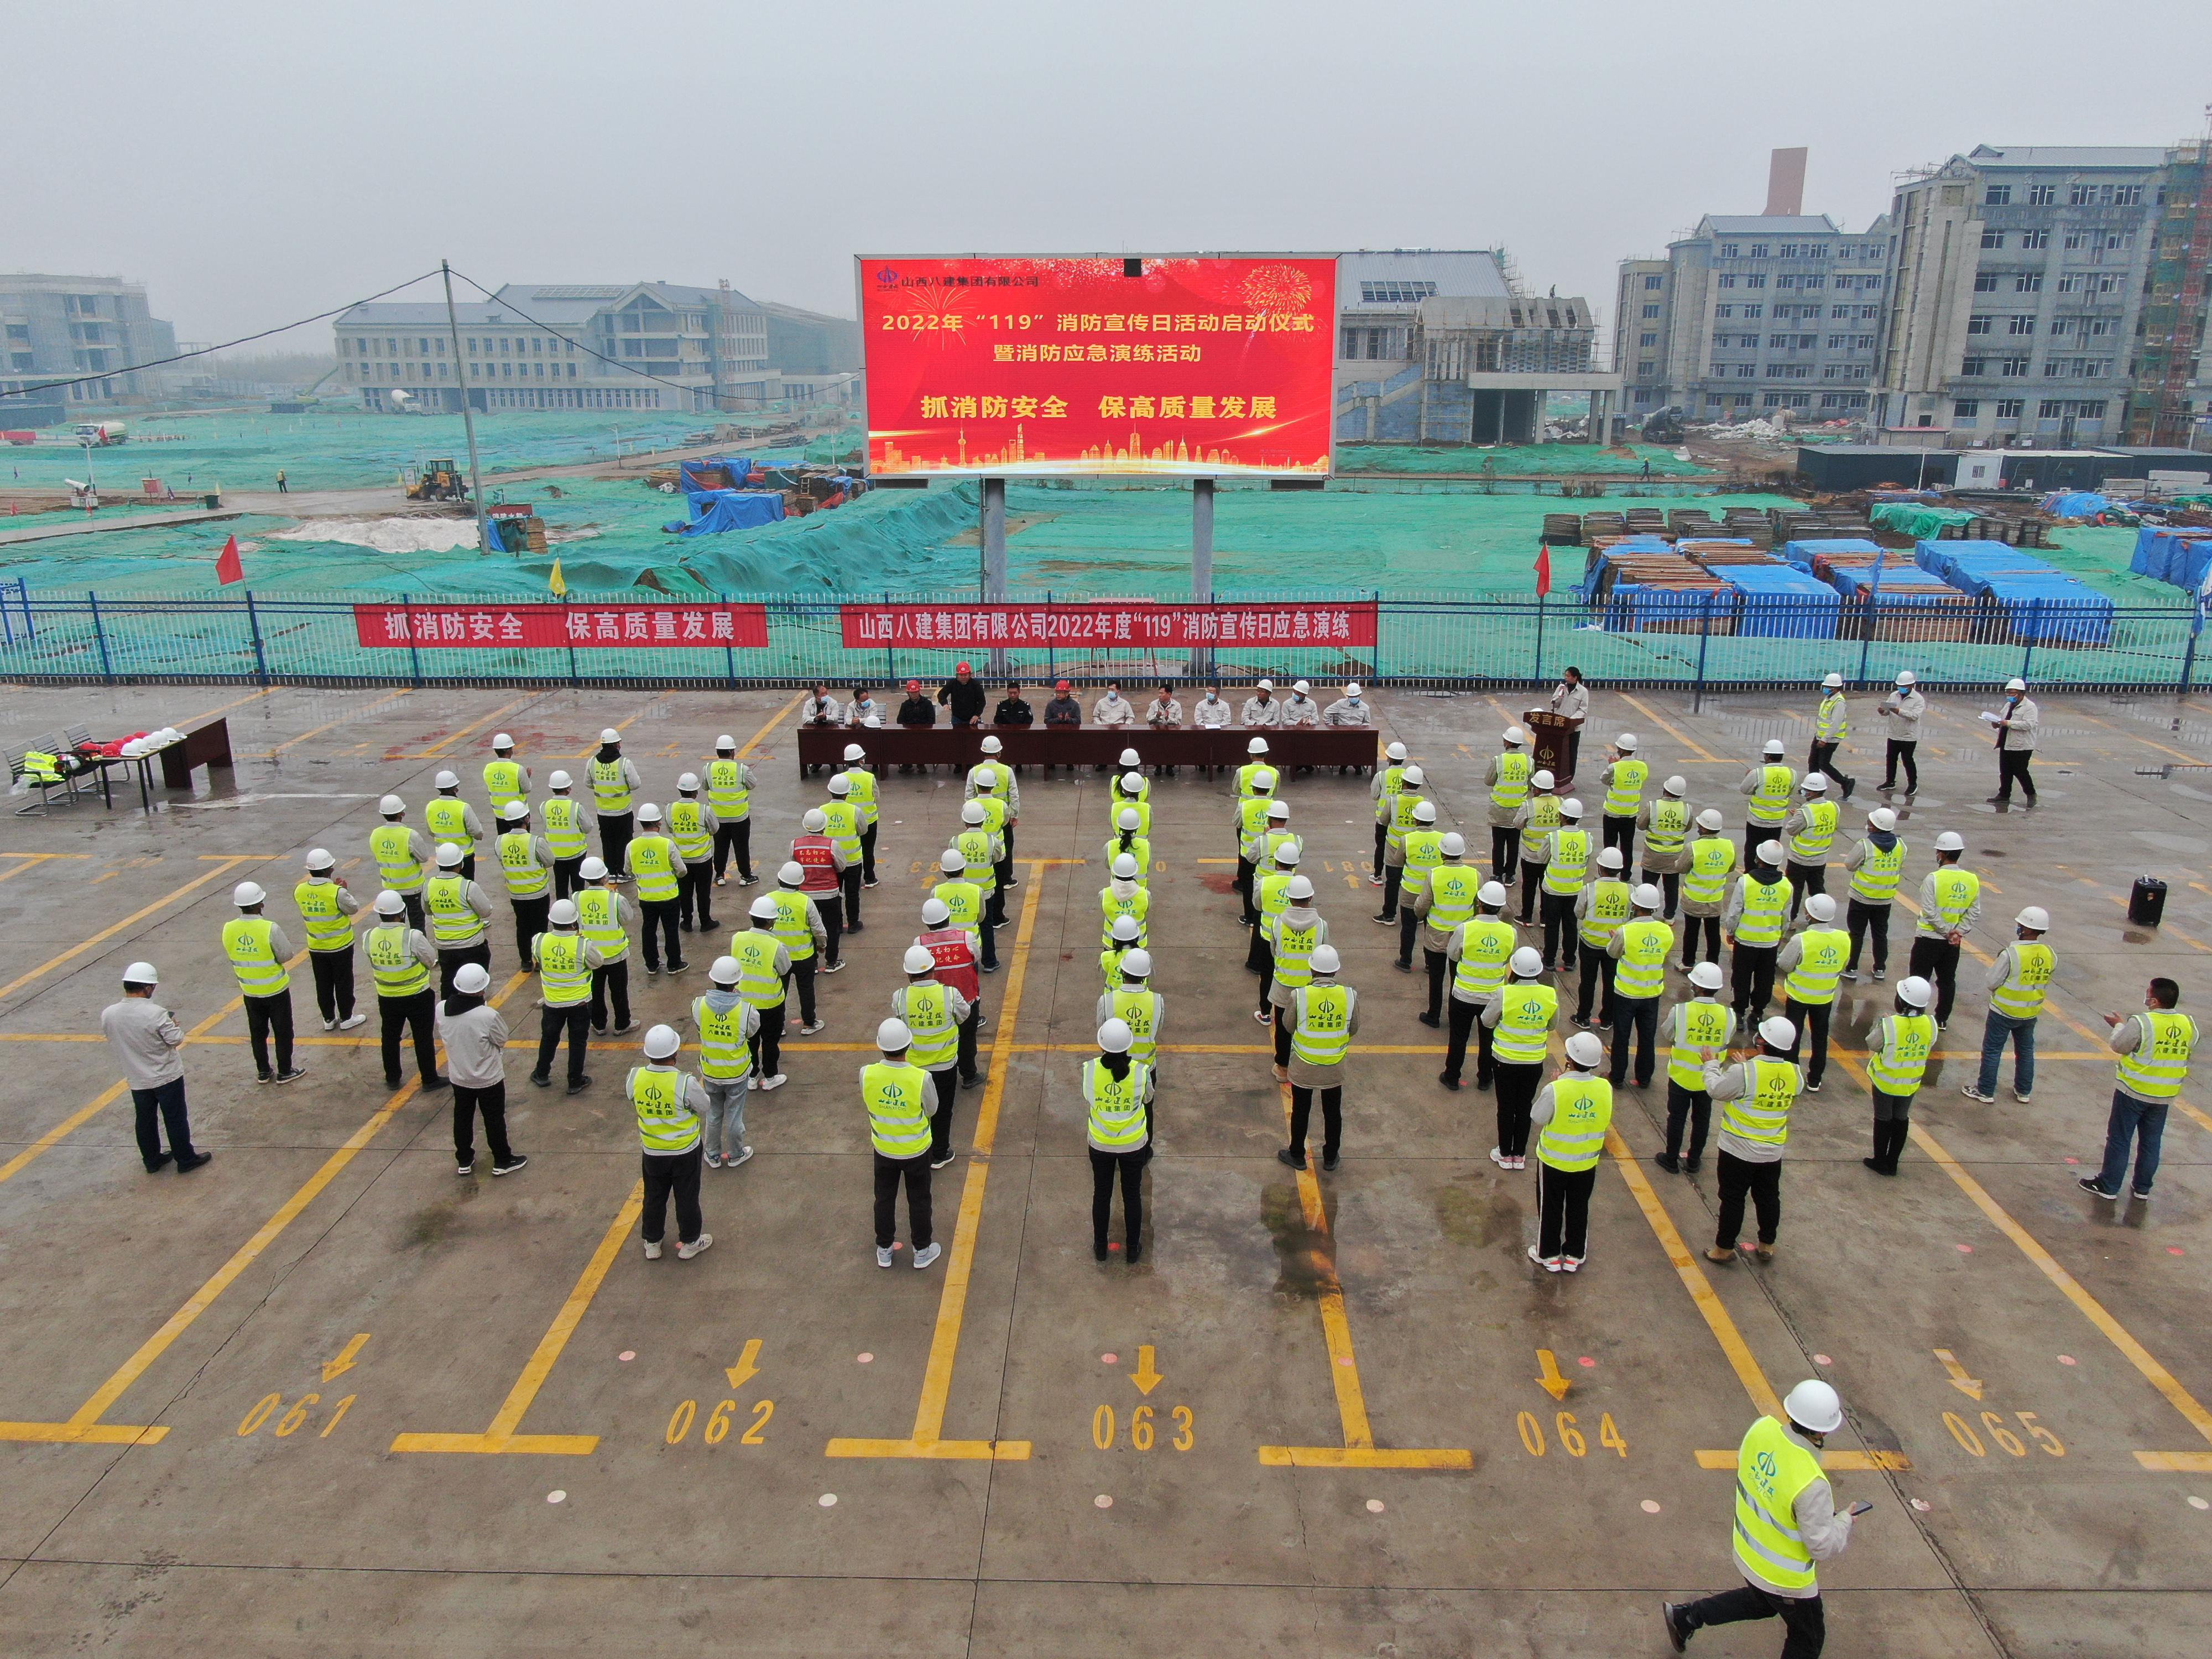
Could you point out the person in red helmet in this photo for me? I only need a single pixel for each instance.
(963, 694)
(1062, 714)
(917, 711)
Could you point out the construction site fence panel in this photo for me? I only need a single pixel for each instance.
(1697, 641)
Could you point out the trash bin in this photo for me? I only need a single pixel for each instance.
(2147, 903)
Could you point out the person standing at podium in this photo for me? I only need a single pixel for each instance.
(1571, 701)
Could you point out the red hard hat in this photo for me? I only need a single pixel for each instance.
(964, 668)
(914, 685)
(1060, 686)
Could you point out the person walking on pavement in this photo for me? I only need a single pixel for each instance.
(691, 826)
(963, 903)
(604, 918)
(400, 856)
(896, 1094)
(933, 1013)
(327, 906)
(563, 815)
(980, 854)
(1252, 815)
(400, 960)
(1390, 779)
(1520, 1019)
(653, 863)
(145, 1037)
(822, 879)
(957, 955)
(1600, 910)
(506, 780)
(1538, 817)
(1897, 1057)
(841, 822)
(1638, 952)
(1754, 1094)
(1950, 904)
(1831, 724)
(1665, 827)
(1786, 1520)
(1294, 935)
(730, 786)
(1769, 784)
(1446, 904)
(449, 819)
(258, 951)
(1698, 1025)
(799, 927)
(764, 974)
(2154, 1048)
(1571, 1115)
(460, 911)
(1508, 776)
(1758, 910)
(1477, 954)
(2017, 725)
(568, 967)
(1811, 960)
(1706, 883)
(1117, 1097)
(1624, 775)
(1319, 1022)
(1808, 834)
(615, 787)
(1404, 818)
(1423, 851)
(1873, 867)
(1903, 708)
(1566, 868)
(728, 1027)
(283, 484)
(475, 1037)
(2018, 980)
(671, 1107)
(526, 862)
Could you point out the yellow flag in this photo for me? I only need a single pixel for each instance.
(559, 587)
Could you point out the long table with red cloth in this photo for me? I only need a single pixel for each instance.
(1094, 746)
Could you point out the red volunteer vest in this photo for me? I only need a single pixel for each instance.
(812, 854)
(955, 962)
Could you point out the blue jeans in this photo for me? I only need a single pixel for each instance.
(1994, 1034)
(2130, 1118)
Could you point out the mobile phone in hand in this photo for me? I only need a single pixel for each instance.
(1861, 1507)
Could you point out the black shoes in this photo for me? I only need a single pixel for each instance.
(186, 1165)
(1429, 1020)
(1285, 1156)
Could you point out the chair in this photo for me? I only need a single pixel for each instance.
(18, 767)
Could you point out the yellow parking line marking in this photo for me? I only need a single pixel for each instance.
(223, 866)
(625, 725)
(316, 732)
(2148, 743)
(32, 860)
(437, 750)
(1672, 730)
(224, 708)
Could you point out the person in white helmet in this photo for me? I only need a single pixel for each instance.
(1770, 785)
(691, 824)
(1571, 1115)
(1258, 774)
(1271, 896)
(615, 787)
(1318, 1024)
(1293, 934)
(671, 1108)
(1410, 784)
(934, 1013)
(1810, 962)
(730, 786)
(447, 817)
(604, 917)
(2018, 980)
(966, 903)
(402, 857)
(1707, 879)
(1477, 955)
(1898, 1049)
(1117, 1097)
(861, 790)
(729, 1030)
(1520, 1019)
(145, 1037)
(1639, 950)
(1301, 712)
(1757, 914)
(1261, 709)
(1831, 724)
(400, 960)
(1211, 712)
(2154, 1046)
(1253, 814)
(1447, 903)
(992, 776)
(566, 963)
(327, 906)
(1599, 912)
(506, 780)
(841, 822)
(896, 1094)
(822, 867)
(764, 974)
(981, 851)
(1665, 824)
(1507, 778)
(1786, 1520)
(999, 819)
(563, 815)
(257, 951)
(1422, 851)
(1125, 893)
(957, 953)
(1950, 905)
(1568, 854)
(798, 925)
(2016, 724)
(526, 864)
(1903, 708)
(475, 1036)
(1121, 939)
(1873, 868)
(1698, 1027)
(1625, 773)
(1754, 1094)
(1352, 711)
(1809, 835)
(460, 912)
(1533, 822)
(1136, 1005)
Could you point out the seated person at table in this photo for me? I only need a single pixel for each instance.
(864, 709)
(1013, 709)
(915, 712)
(1062, 714)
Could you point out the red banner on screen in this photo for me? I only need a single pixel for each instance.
(1060, 367)
(1106, 623)
(546, 626)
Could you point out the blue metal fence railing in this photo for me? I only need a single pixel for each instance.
(1707, 642)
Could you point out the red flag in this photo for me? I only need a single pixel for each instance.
(1543, 568)
(228, 567)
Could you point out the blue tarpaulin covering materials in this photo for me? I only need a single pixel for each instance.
(1780, 602)
(2179, 557)
(689, 474)
(1802, 554)
(1968, 565)
(1903, 583)
(2076, 504)
(715, 511)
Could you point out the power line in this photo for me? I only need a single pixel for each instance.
(627, 368)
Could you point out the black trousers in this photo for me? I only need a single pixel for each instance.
(1709, 950)
(1439, 966)
(1260, 959)
(2012, 767)
(1810, 1017)
(452, 962)
(1691, 1109)
(610, 988)
(994, 905)
(1332, 1118)
(1393, 879)
(1762, 1183)
(1801, 1617)
(1639, 1016)
(1561, 931)
(333, 972)
(1532, 883)
(1937, 960)
(1756, 835)
(416, 918)
(530, 915)
(575, 1019)
(766, 1043)
(694, 896)
(468, 866)
(676, 1174)
(1902, 753)
(614, 831)
(1805, 879)
(947, 1084)
(265, 1016)
(1517, 1093)
(568, 876)
(1822, 758)
(1504, 853)
(398, 1014)
(1408, 925)
(492, 1102)
(1865, 918)
(968, 1028)
(159, 1108)
(1466, 1019)
(1130, 1168)
(1598, 968)
(1563, 1199)
(738, 838)
(1751, 969)
(990, 949)
(802, 981)
(1244, 884)
(868, 855)
(914, 1171)
(1282, 1036)
(662, 919)
(1622, 833)
(1381, 839)
(1669, 883)
(850, 882)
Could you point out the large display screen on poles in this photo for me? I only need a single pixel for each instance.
(1099, 366)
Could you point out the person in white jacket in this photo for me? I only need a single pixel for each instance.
(1260, 708)
(1211, 713)
(1351, 709)
(1299, 708)
(1903, 708)
(1113, 708)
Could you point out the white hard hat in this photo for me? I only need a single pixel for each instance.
(1950, 842)
(1325, 959)
(1128, 819)
(500, 741)
(688, 783)
(318, 858)
(892, 1036)
(449, 856)
(725, 742)
(514, 810)
(1257, 746)
(389, 903)
(1352, 688)
(1300, 888)
(1647, 897)
(1300, 687)
(1137, 963)
(1610, 859)
(1777, 1032)
(1882, 818)
(1287, 852)
(1516, 736)
(935, 913)
(1395, 751)
(1454, 844)
(764, 909)
(141, 972)
(1773, 749)
(725, 970)
(472, 980)
(1490, 894)
(1675, 785)
(1413, 777)
(1541, 780)
(1527, 962)
(1571, 808)
(1915, 992)
(991, 745)
(1129, 758)
(609, 735)
(392, 806)
(918, 960)
(855, 752)
(563, 914)
(971, 811)
(987, 780)
(1267, 685)
(1424, 811)
(1114, 1036)
(1585, 1050)
(1814, 1405)
(2015, 684)
(1263, 783)
(1131, 781)
(1821, 908)
(2036, 917)
(559, 781)
(792, 874)
(1128, 929)
(1908, 678)
(1706, 976)
(594, 870)
(1125, 866)
(1814, 784)
(1625, 742)
(447, 780)
(1769, 852)
(648, 812)
(1710, 819)
(1833, 683)
(246, 893)
(950, 859)
(1279, 809)
(840, 785)
(815, 820)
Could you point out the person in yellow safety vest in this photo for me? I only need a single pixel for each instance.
(1477, 955)
(1256, 776)
(861, 792)
(1639, 950)
(728, 1027)
(1537, 817)
(400, 960)
(257, 951)
(2154, 1048)
(1272, 896)
(2019, 980)
(841, 822)
(604, 918)
(1423, 852)
(1254, 812)
(1121, 939)
(1004, 783)
(1831, 724)
(1129, 841)
(1117, 1099)
(1770, 785)
(1785, 1521)
(999, 819)
(1138, 1006)
(1389, 778)
(1566, 868)
(401, 857)
(615, 786)
(1808, 834)
(566, 963)
(459, 911)
(1278, 833)
(1624, 777)
(691, 825)
(1810, 962)
(1897, 1057)
(447, 817)
(764, 973)
(526, 861)
(980, 852)
(1294, 934)
(326, 907)
(506, 780)
(1571, 1115)
(1707, 876)
(897, 1094)
(1403, 819)
(1758, 912)
(964, 903)
(1665, 824)
(934, 1013)
(1698, 1025)
(799, 924)
(1317, 1026)
(1130, 786)
(1873, 868)
(730, 786)
(1125, 895)
(1754, 1094)
(1600, 910)
(659, 870)
(563, 815)
(1520, 1019)
(1507, 778)
(1950, 905)
(1445, 905)
(670, 1106)
(959, 956)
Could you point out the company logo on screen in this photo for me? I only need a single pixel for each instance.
(888, 277)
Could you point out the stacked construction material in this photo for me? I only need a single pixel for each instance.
(1715, 551)
(1751, 521)
(1897, 600)
(1643, 585)
(2027, 599)
(1691, 521)
(1602, 524)
(1562, 529)
(1921, 521)
(1805, 554)
(1779, 602)
(1645, 520)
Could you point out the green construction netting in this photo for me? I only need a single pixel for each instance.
(1911, 519)
(1515, 461)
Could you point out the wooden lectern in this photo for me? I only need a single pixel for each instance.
(1549, 734)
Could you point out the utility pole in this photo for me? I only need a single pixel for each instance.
(468, 419)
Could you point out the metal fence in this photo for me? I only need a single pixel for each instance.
(1709, 643)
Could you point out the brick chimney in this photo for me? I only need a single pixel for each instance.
(1785, 183)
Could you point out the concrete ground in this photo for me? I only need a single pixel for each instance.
(324, 1397)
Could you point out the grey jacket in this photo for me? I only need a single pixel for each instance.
(145, 1037)
(476, 1046)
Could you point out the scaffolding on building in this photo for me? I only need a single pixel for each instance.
(2159, 410)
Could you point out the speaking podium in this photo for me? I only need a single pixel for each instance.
(1549, 735)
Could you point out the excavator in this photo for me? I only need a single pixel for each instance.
(436, 481)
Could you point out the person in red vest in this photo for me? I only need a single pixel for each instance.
(824, 866)
(956, 950)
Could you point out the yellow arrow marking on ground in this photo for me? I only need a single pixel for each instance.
(1551, 1381)
(748, 1364)
(1146, 1377)
(1969, 1386)
(343, 1363)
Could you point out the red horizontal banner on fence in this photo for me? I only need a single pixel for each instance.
(1108, 623)
(546, 626)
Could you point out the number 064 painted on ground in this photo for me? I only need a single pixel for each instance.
(1572, 1440)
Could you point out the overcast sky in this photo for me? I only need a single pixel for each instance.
(253, 162)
